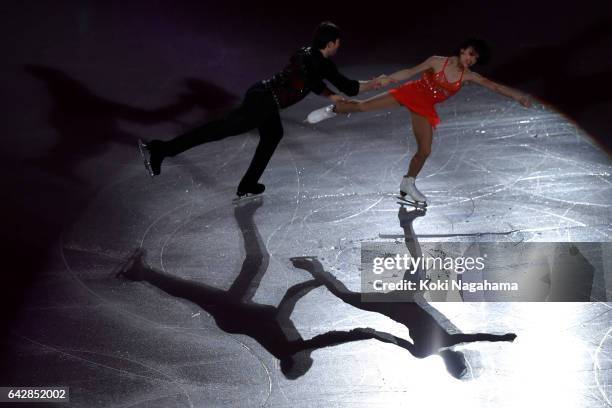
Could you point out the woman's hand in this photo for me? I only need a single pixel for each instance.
(384, 80)
(337, 98)
(524, 100)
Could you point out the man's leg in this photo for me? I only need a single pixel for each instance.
(270, 135)
(235, 122)
(255, 108)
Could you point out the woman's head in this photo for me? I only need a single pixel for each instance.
(296, 365)
(473, 51)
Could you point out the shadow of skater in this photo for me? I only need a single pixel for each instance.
(410, 239)
(86, 123)
(428, 335)
(234, 310)
(209, 96)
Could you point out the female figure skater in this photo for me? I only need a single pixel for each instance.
(442, 77)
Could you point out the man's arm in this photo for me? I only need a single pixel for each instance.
(348, 86)
(373, 83)
(363, 87)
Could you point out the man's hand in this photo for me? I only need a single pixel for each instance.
(375, 83)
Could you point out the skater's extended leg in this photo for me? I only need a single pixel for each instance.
(380, 101)
(236, 122)
(270, 135)
(256, 107)
(138, 270)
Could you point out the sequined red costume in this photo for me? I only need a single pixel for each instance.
(420, 95)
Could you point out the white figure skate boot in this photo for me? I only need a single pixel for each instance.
(321, 114)
(407, 188)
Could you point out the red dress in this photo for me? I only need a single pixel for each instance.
(420, 95)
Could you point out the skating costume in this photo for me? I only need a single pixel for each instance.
(306, 71)
(260, 110)
(422, 94)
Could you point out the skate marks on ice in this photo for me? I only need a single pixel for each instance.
(529, 169)
(310, 223)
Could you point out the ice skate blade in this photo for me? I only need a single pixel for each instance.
(144, 153)
(248, 197)
(416, 204)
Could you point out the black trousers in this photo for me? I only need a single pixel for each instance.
(258, 110)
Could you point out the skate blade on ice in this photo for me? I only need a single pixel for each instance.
(416, 204)
(246, 198)
(144, 153)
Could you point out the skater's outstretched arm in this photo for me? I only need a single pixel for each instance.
(292, 296)
(314, 267)
(387, 338)
(345, 85)
(334, 338)
(499, 88)
(407, 73)
(453, 339)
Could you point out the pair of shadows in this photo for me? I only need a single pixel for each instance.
(235, 311)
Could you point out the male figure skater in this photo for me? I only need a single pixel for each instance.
(260, 108)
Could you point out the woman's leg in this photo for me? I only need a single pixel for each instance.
(380, 101)
(423, 133)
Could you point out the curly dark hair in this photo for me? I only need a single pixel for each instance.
(480, 46)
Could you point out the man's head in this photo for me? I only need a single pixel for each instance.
(326, 38)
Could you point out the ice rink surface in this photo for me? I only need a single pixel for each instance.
(498, 172)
